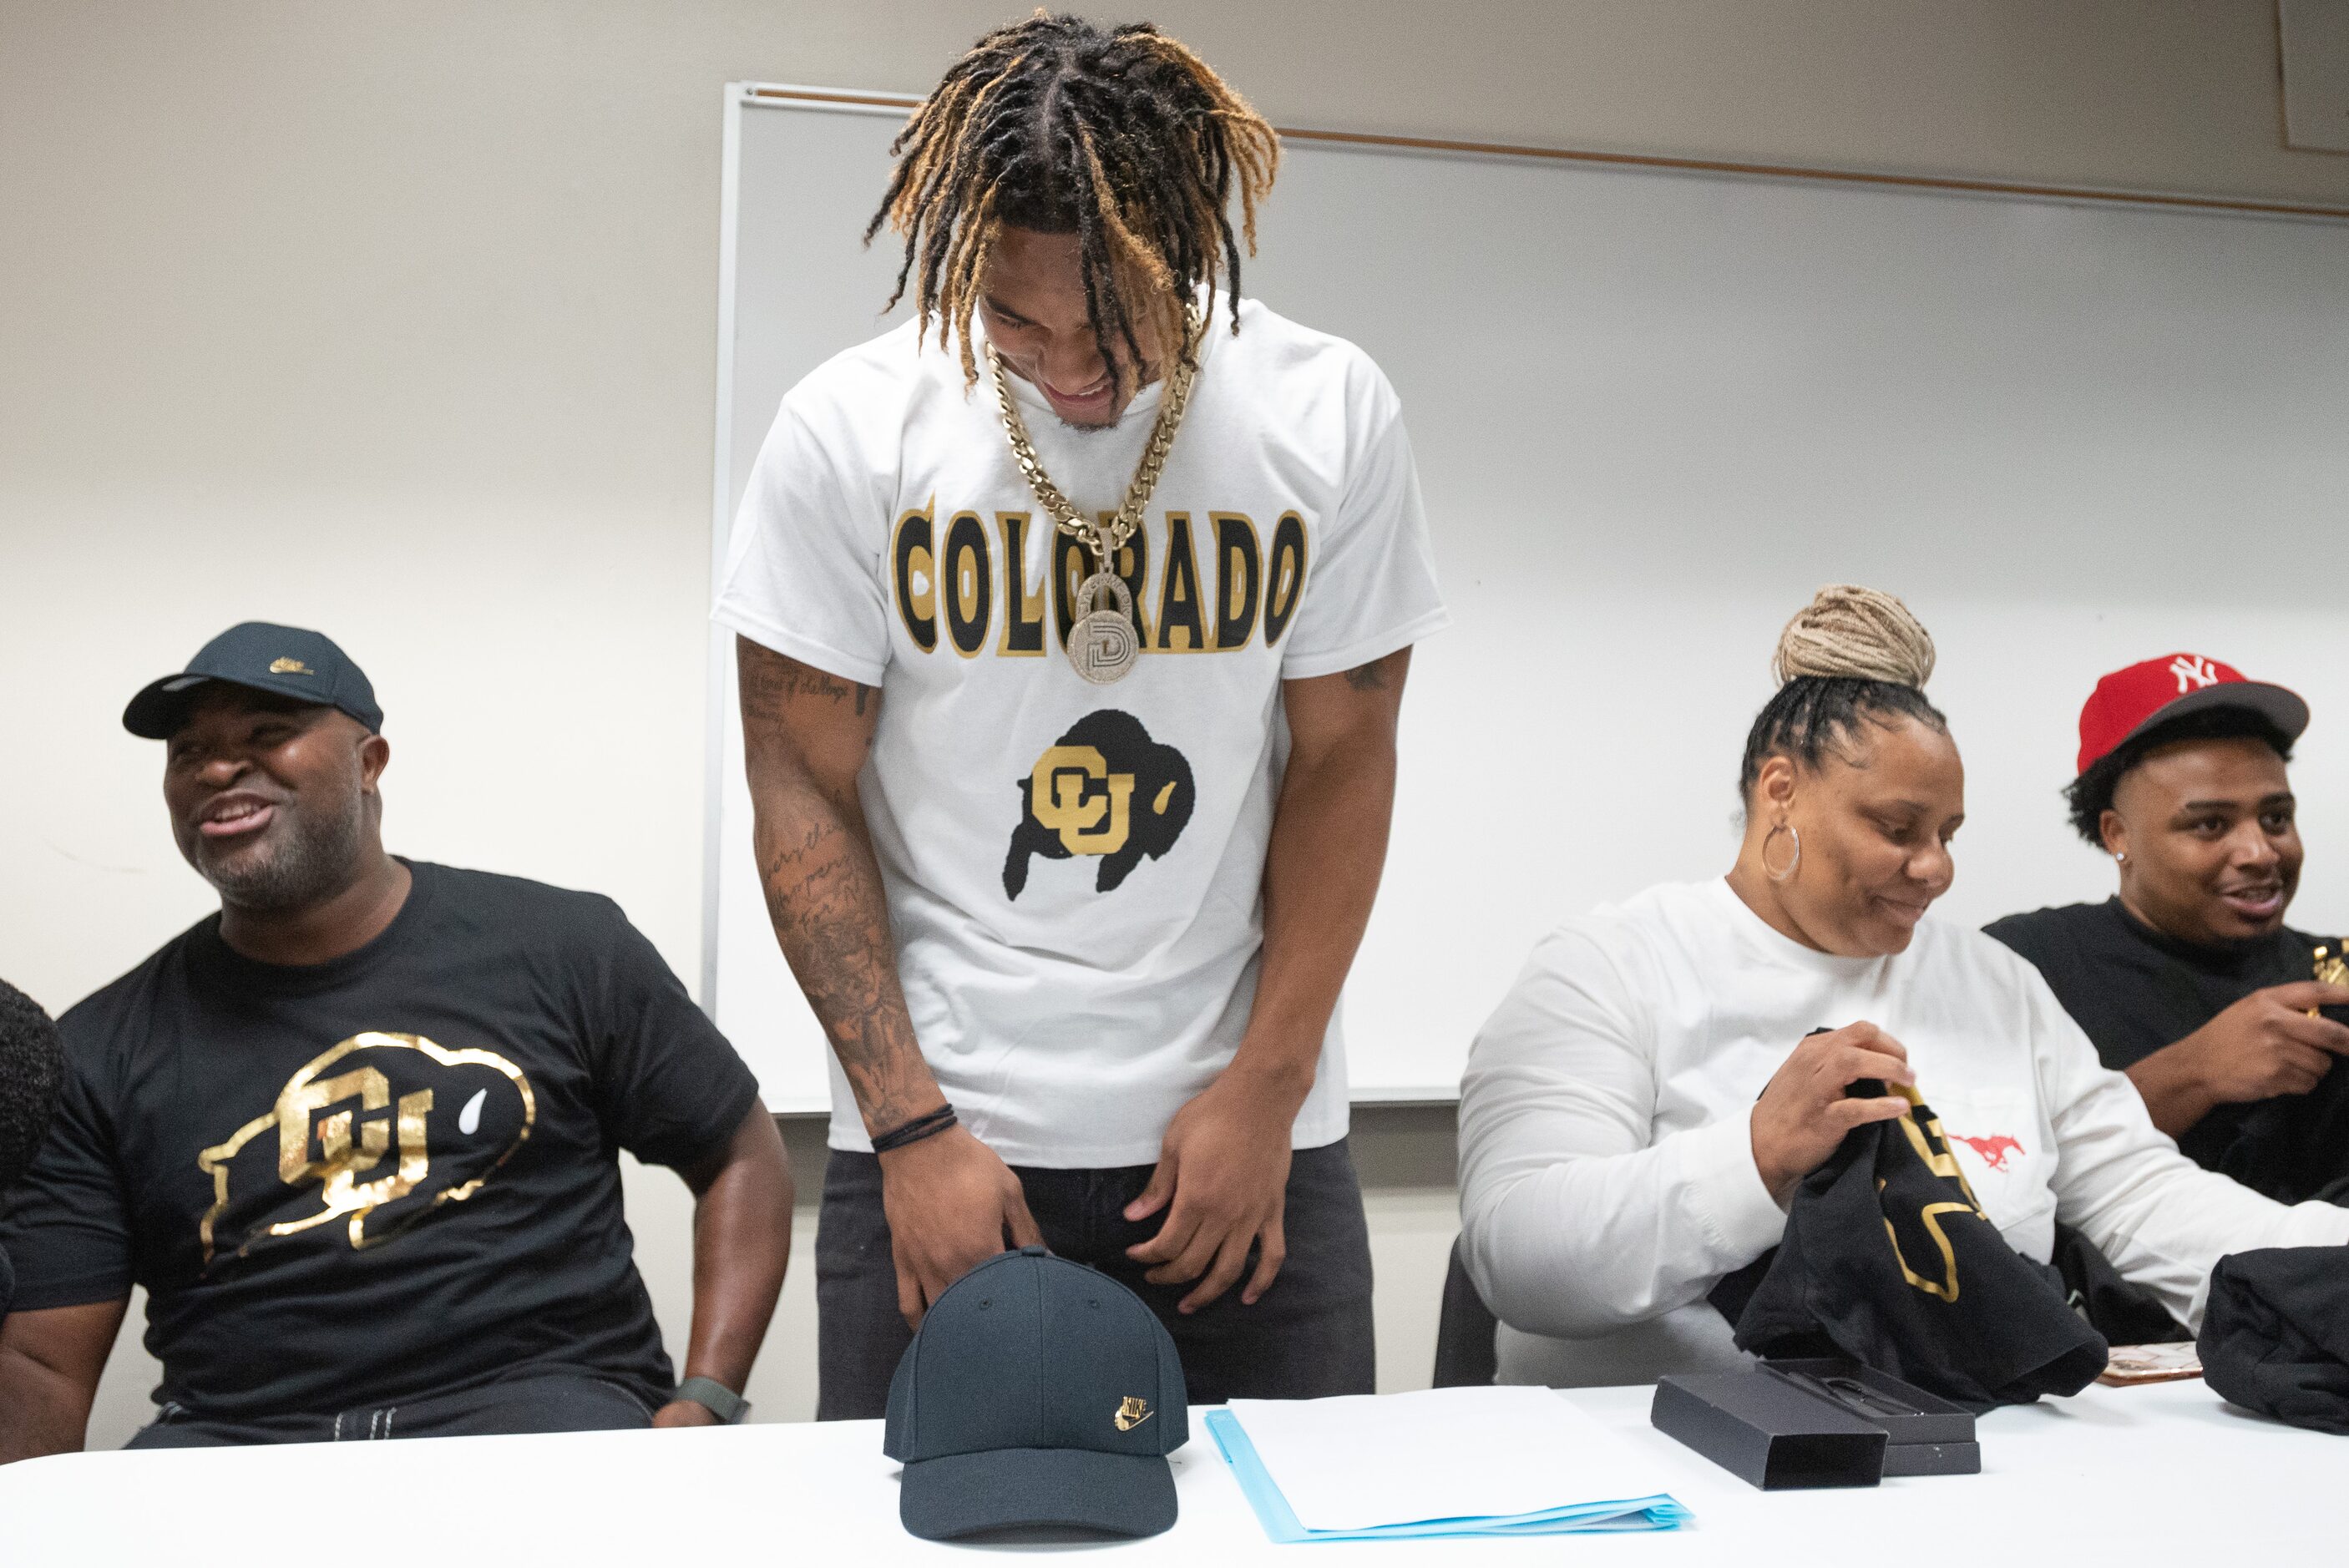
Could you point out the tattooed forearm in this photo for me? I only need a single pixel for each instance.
(821, 884)
(823, 894)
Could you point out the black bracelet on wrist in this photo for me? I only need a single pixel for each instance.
(925, 1126)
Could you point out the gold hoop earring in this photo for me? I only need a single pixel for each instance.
(1791, 832)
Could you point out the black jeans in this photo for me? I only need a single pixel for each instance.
(1309, 1335)
(537, 1402)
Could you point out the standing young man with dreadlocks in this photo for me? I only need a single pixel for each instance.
(1071, 664)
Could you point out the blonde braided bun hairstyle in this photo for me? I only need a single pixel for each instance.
(1851, 657)
(1850, 633)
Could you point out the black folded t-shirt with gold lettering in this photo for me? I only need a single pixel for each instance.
(394, 1173)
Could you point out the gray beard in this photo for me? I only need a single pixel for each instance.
(312, 862)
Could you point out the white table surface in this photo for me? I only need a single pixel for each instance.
(2152, 1476)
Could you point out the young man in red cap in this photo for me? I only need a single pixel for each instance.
(2188, 980)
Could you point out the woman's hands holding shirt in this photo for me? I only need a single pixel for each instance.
(1806, 1109)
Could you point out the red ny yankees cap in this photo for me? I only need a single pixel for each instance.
(2126, 703)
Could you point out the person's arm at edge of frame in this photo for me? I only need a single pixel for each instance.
(2267, 1043)
(1223, 1168)
(741, 1244)
(49, 1364)
(950, 1201)
(2162, 1221)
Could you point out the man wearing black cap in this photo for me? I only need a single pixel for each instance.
(2188, 980)
(357, 1134)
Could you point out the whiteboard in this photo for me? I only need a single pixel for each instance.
(1653, 411)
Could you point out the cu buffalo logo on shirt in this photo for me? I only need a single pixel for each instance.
(373, 1135)
(1103, 789)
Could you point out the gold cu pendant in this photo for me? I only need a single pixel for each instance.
(1101, 642)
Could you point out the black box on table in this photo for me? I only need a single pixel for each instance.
(1925, 1434)
(1815, 1423)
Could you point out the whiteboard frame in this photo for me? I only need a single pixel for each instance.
(741, 95)
(738, 96)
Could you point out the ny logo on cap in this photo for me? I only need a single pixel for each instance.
(2193, 672)
(290, 667)
(1132, 1412)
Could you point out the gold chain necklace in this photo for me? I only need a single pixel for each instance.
(1101, 642)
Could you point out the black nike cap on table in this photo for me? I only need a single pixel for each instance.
(1038, 1393)
(285, 660)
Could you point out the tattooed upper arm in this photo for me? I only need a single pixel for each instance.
(770, 679)
(805, 715)
(1349, 708)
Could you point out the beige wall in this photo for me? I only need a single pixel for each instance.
(397, 319)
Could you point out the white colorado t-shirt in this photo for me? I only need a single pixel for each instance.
(1607, 1175)
(1073, 871)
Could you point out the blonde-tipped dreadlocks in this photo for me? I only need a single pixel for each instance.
(1124, 138)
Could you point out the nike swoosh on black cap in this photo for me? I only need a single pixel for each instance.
(1038, 1393)
(285, 660)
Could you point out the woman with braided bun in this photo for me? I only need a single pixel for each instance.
(1073, 616)
(1637, 1112)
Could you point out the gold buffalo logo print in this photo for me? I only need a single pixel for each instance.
(1931, 1146)
(375, 1135)
(1103, 789)
(1132, 1411)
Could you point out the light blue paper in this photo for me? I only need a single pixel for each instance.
(1280, 1522)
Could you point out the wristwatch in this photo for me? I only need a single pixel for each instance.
(730, 1409)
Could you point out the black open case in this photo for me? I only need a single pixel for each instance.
(1814, 1423)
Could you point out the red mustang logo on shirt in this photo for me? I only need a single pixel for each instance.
(1994, 1149)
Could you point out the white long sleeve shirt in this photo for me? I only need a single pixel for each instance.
(1607, 1167)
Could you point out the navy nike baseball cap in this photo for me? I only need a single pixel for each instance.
(285, 660)
(1038, 1393)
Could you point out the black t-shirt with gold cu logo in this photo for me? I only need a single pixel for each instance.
(387, 1175)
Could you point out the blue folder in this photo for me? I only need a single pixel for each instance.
(1280, 1522)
